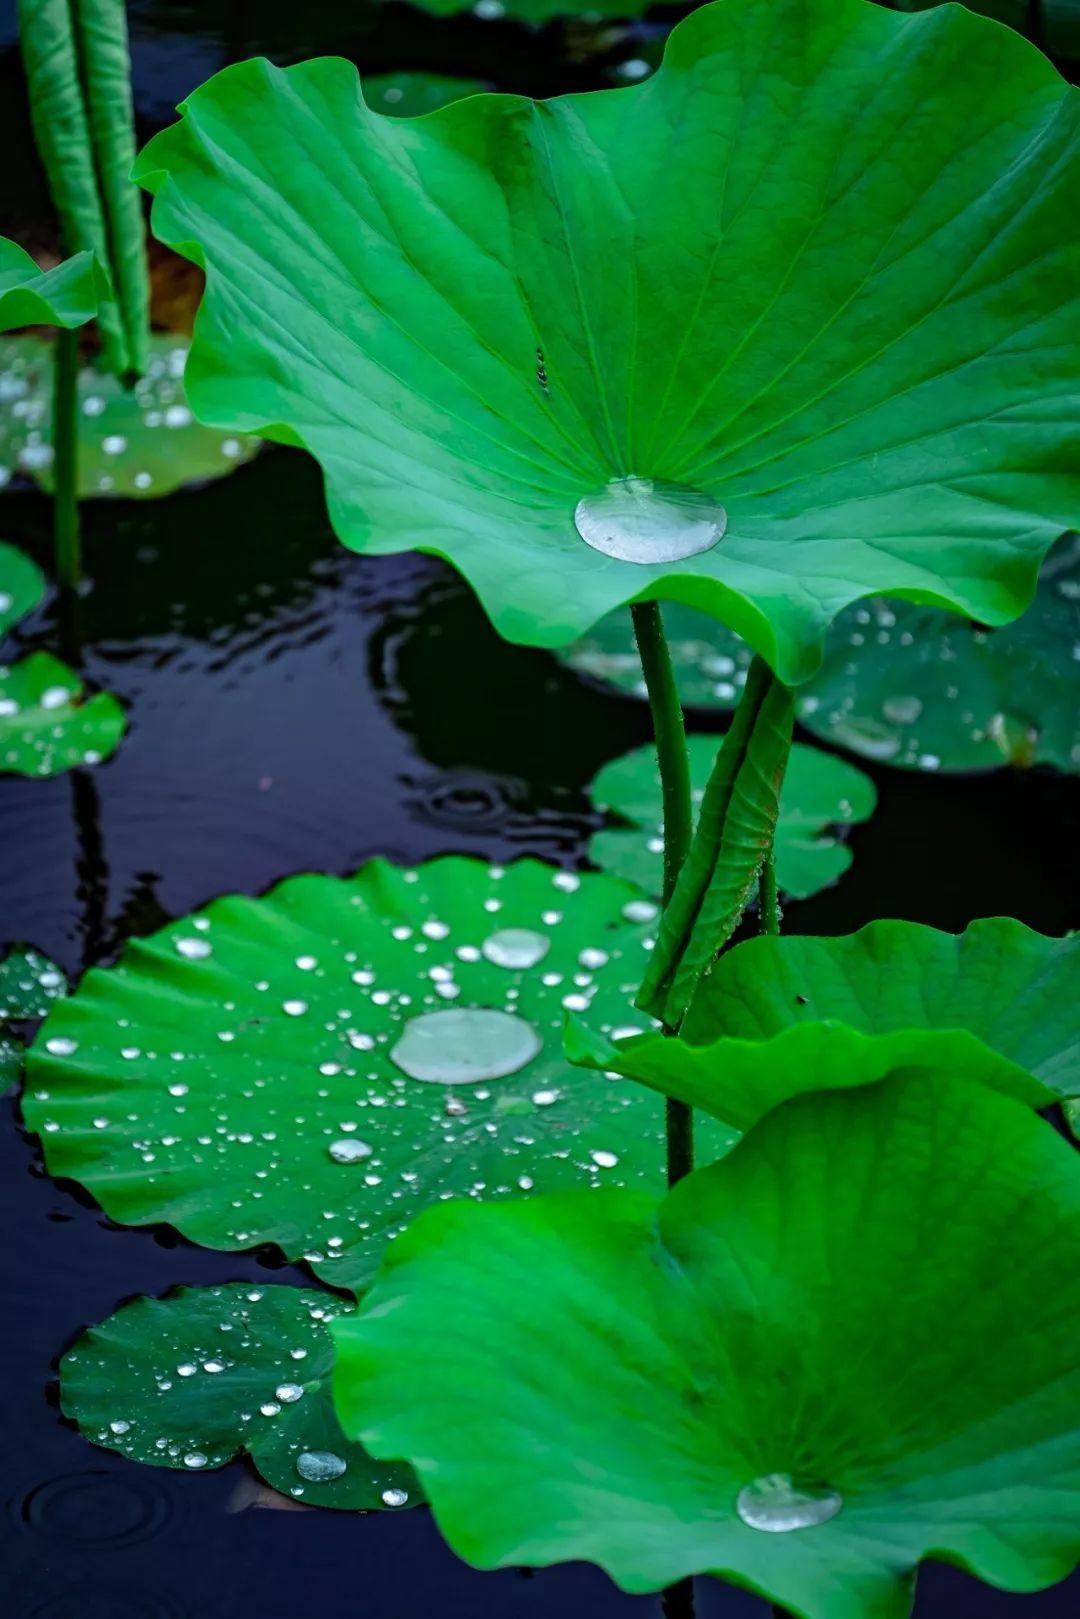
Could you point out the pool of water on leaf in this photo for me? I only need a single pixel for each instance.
(297, 708)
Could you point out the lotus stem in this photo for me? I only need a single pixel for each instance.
(670, 734)
(66, 461)
(768, 896)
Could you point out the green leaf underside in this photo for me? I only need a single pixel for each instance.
(194, 1379)
(140, 442)
(48, 724)
(226, 1079)
(411, 95)
(64, 296)
(75, 56)
(879, 199)
(775, 1314)
(779, 1016)
(22, 585)
(29, 983)
(901, 684)
(819, 793)
(734, 833)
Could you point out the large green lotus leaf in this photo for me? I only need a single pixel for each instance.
(411, 95)
(48, 724)
(139, 442)
(22, 585)
(819, 269)
(767, 1345)
(248, 1065)
(914, 687)
(779, 1016)
(67, 295)
(819, 794)
(192, 1380)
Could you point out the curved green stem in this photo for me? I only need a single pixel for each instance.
(66, 461)
(768, 896)
(670, 734)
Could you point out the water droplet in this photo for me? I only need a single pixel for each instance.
(776, 1504)
(647, 520)
(119, 1426)
(294, 1008)
(604, 1160)
(349, 1151)
(639, 910)
(194, 1458)
(61, 1046)
(516, 947)
(320, 1466)
(902, 710)
(193, 949)
(465, 1045)
(290, 1392)
(395, 1498)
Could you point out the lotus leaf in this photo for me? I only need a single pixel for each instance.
(779, 1375)
(140, 441)
(192, 1380)
(22, 585)
(48, 724)
(258, 1062)
(819, 794)
(66, 295)
(795, 316)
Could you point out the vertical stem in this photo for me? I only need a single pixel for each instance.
(768, 896)
(66, 461)
(674, 765)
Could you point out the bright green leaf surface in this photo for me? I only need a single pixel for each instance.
(778, 1314)
(22, 585)
(819, 793)
(919, 688)
(48, 724)
(821, 267)
(64, 296)
(734, 834)
(411, 95)
(192, 1380)
(243, 1059)
(139, 442)
(779, 1016)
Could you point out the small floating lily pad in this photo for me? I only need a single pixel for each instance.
(194, 1379)
(820, 795)
(849, 1345)
(138, 442)
(779, 1016)
(710, 661)
(22, 585)
(928, 691)
(258, 1066)
(48, 724)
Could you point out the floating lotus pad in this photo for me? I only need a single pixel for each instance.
(913, 687)
(710, 661)
(47, 724)
(411, 95)
(779, 1016)
(881, 199)
(22, 585)
(139, 442)
(760, 1352)
(194, 1379)
(67, 295)
(257, 1063)
(819, 794)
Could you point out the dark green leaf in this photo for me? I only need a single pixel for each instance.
(48, 724)
(22, 585)
(194, 1379)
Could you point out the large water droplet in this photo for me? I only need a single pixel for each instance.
(349, 1150)
(648, 520)
(465, 1045)
(776, 1504)
(320, 1466)
(516, 947)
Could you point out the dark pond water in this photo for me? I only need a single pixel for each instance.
(297, 708)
